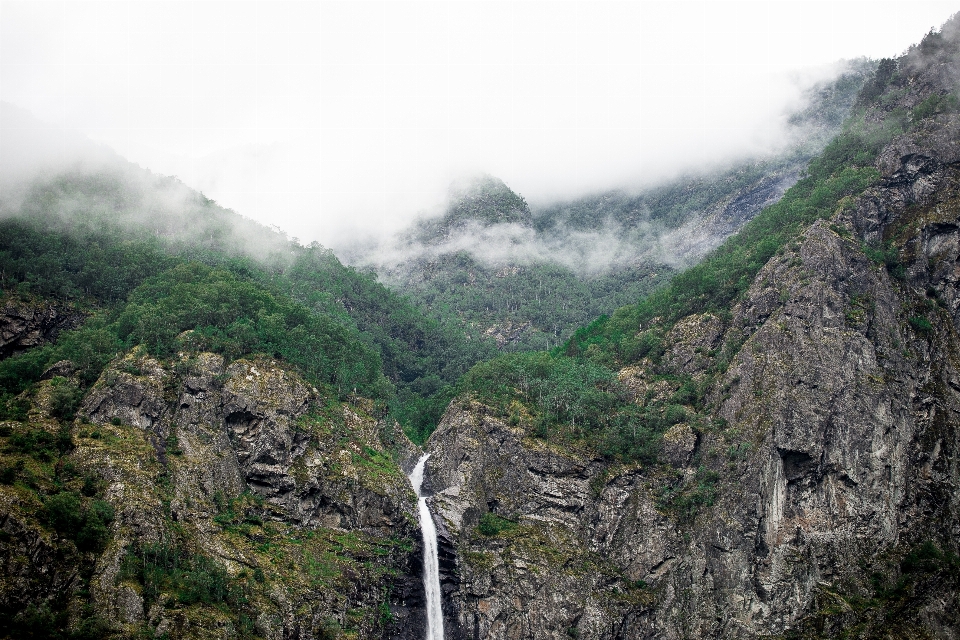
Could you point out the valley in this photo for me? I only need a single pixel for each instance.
(724, 406)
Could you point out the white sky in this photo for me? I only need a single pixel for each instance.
(320, 117)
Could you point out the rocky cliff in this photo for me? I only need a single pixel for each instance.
(241, 504)
(818, 498)
(804, 487)
(28, 323)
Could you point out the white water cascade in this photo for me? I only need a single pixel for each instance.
(431, 564)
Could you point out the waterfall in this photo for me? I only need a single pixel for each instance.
(431, 565)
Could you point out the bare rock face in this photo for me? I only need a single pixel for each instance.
(513, 510)
(24, 324)
(834, 468)
(244, 461)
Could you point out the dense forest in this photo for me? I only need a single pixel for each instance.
(78, 239)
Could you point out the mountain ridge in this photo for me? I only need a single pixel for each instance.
(763, 447)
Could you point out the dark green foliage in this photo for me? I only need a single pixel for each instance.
(921, 325)
(89, 348)
(492, 524)
(173, 446)
(86, 524)
(329, 629)
(191, 578)
(633, 436)
(421, 356)
(92, 485)
(580, 398)
(87, 262)
(419, 413)
(11, 473)
(94, 534)
(64, 398)
(685, 498)
(36, 622)
(889, 256)
(236, 317)
(239, 513)
(561, 389)
(928, 558)
(935, 104)
(875, 87)
(51, 622)
(63, 512)
(13, 408)
(41, 444)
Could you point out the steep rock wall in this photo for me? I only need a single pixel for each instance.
(245, 464)
(837, 461)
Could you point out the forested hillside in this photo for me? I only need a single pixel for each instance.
(204, 425)
(528, 277)
(145, 259)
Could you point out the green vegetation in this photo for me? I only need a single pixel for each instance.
(533, 301)
(843, 170)
(485, 201)
(170, 568)
(524, 307)
(492, 524)
(889, 600)
(576, 400)
(920, 325)
(235, 317)
(684, 499)
(572, 393)
(71, 241)
(85, 525)
(936, 104)
(38, 476)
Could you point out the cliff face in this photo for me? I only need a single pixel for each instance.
(239, 473)
(810, 490)
(822, 499)
(27, 324)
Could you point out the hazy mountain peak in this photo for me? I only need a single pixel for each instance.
(481, 201)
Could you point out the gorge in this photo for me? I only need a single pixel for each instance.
(200, 440)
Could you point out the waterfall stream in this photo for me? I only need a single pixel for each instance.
(431, 564)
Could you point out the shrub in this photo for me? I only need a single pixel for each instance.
(87, 527)
(492, 524)
(171, 568)
(64, 512)
(64, 397)
(921, 324)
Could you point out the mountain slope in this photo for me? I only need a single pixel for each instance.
(90, 237)
(527, 277)
(785, 464)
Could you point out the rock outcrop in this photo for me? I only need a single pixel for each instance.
(26, 324)
(827, 499)
(243, 464)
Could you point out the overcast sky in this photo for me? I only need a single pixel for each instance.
(320, 117)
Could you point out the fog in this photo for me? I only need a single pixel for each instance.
(75, 184)
(336, 119)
